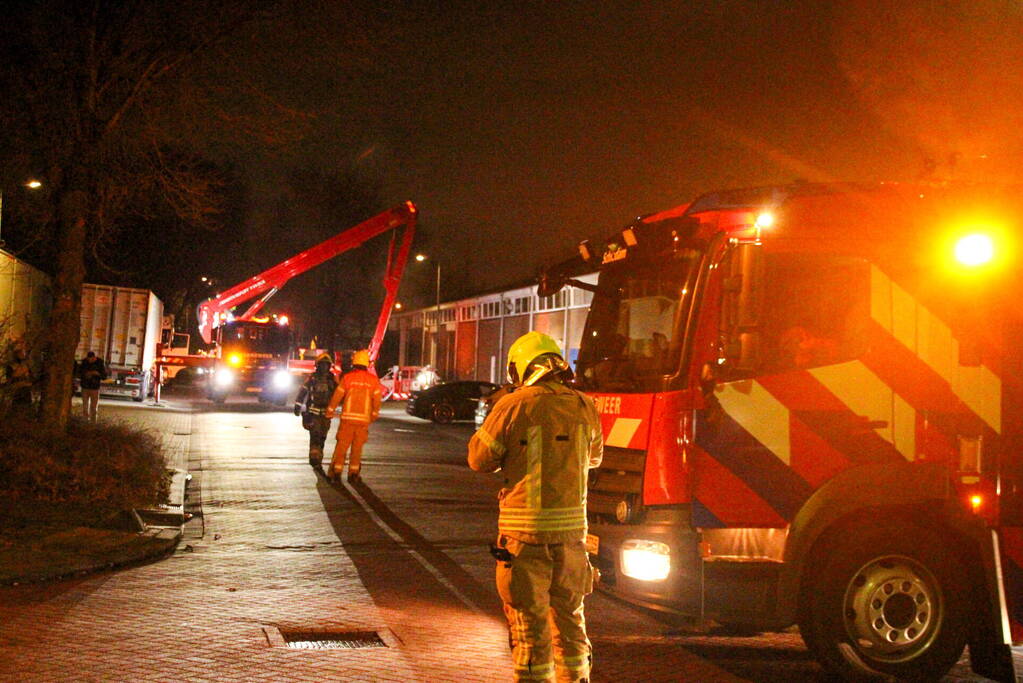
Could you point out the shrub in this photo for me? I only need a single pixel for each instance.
(92, 471)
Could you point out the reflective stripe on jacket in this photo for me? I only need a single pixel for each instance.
(359, 396)
(545, 438)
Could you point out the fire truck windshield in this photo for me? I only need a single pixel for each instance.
(256, 337)
(632, 336)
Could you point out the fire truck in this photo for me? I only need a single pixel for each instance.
(252, 353)
(812, 407)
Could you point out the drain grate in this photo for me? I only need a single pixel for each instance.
(331, 640)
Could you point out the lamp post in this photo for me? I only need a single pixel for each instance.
(436, 339)
(32, 185)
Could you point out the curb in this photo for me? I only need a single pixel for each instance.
(162, 531)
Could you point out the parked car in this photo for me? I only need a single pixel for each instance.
(444, 403)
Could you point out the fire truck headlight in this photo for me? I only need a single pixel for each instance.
(646, 560)
(282, 379)
(234, 359)
(765, 220)
(975, 250)
(223, 378)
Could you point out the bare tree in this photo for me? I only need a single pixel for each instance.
(95, 90)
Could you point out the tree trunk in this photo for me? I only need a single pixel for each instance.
(65, 318)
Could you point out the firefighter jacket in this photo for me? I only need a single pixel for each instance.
(316, 392)
(358, 394)
(544, 438)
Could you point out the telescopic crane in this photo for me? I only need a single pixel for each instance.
(256, 368)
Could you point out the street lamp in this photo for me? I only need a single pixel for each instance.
(433, 350)
(32, 184)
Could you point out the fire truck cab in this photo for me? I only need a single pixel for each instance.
(253, 360)
(812, 405)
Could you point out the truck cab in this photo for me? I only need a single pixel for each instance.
(811, 410)
(253, 360)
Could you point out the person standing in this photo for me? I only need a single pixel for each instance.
(311, 403)
(91, 373)
(358, 395)
(18, 377)
(545, 437)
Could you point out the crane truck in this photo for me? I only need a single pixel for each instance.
(251, 352)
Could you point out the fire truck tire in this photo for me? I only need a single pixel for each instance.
(442, 413)
(887, 604)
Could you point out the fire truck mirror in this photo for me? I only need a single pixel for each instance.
(741, 304)
(549, 284)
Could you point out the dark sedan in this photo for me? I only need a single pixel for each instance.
(447, 402)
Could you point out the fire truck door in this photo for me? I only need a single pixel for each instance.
(804, 405)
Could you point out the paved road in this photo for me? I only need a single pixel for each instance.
(398, 562)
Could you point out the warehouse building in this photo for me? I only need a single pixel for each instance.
(469, 339)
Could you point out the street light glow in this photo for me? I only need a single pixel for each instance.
(33, 184)
(420, 257)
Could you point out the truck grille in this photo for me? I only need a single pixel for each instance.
(619, 478)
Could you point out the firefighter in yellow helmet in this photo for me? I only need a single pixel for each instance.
(311, 403)
(359, 397)
(544, 437)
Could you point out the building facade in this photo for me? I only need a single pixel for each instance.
(25, 298)
(469, 338)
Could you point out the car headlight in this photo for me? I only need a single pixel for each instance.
(282, 379)
(646, 560)
(223, 378)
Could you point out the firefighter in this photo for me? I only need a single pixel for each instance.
(311, 403)
(545, 437)
(358, 395)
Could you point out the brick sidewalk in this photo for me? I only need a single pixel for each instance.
(268, 557)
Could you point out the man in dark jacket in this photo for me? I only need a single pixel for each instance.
(311, 403)
(91, 373)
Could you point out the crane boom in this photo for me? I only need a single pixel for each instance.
(213, 311)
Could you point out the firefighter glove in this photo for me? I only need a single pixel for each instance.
(298, 410)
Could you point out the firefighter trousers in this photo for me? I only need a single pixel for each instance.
(543, 589)
(350, 434)
(318, 426)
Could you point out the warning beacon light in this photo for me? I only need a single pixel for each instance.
(974, 250)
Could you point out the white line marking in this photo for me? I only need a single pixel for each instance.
(397, 538)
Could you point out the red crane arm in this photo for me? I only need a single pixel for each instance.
(213, 312)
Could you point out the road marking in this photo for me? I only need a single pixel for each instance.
(397, 538)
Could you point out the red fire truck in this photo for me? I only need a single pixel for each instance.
(251, 354)
(812, 402)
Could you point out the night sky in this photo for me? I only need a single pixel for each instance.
(520, 128)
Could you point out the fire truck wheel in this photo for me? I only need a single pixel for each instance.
(442, 413)
(887, 604)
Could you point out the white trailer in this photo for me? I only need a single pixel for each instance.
(123, 326)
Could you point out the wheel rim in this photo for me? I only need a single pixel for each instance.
(893, 609)
(444, 412)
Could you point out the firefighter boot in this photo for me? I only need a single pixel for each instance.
(315, 456)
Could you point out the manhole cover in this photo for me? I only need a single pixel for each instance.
(324, 640)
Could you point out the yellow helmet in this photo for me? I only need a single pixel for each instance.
(324, 357)
(361, 358)
(526, 350)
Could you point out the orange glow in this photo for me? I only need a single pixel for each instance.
(234, 359)
(976, 502)
(283, 320)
